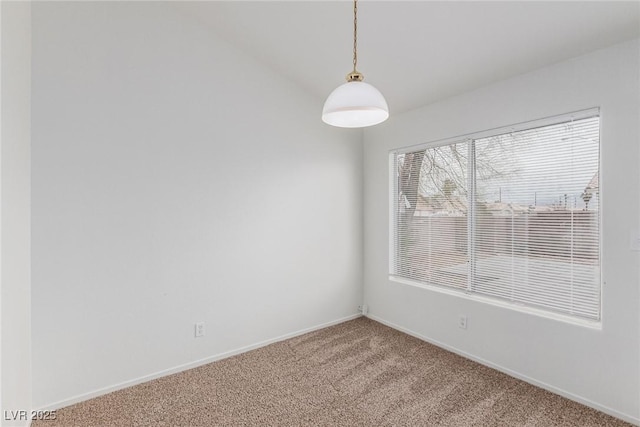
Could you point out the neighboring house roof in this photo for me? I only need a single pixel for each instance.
(506, 208)
(428, 206)
(440, 205)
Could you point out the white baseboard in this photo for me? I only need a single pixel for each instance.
(563, 393)
(190, 365)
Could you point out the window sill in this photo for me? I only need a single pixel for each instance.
(591, 324)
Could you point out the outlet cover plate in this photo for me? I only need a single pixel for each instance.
(199, 329)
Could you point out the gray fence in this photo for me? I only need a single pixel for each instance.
(556, 234)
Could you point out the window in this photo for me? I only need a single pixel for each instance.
(511, 214)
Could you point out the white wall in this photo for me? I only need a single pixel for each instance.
(599, 367)
(15, 297)
(176, 180)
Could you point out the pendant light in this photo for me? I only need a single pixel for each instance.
(355, 104)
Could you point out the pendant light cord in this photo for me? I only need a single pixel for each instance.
(355, 35)
(355, 76)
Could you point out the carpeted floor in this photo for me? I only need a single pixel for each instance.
(358, 373)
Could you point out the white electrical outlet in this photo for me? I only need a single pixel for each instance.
(199, 329)
(364, 309)
(462, 322)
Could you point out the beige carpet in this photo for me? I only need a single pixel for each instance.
(358, 373)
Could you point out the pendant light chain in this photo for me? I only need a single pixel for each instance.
(355, 76)
(355, 35)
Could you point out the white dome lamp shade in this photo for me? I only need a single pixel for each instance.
(355, 104)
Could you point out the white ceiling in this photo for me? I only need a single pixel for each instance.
(415, 52)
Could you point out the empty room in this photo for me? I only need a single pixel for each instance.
(320, 213)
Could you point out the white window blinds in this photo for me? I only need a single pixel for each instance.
(513, 215)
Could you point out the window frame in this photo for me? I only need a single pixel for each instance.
(466, 293)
